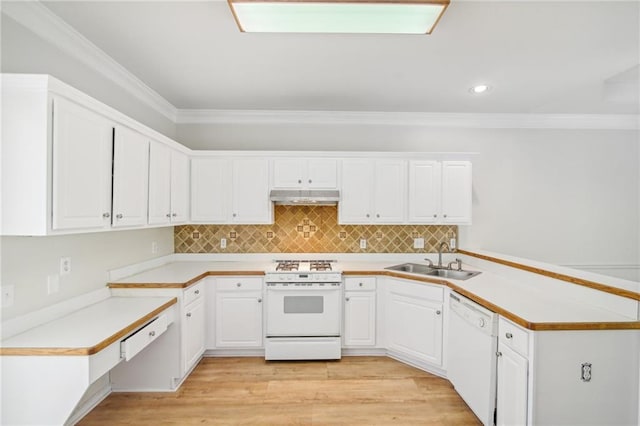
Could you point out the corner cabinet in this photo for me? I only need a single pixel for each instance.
(230, 191)
(414, 321)
(373, 191)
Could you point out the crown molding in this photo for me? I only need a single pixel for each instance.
(423, 119)
(46, 24)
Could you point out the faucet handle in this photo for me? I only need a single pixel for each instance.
(458, 263)
(430, 262)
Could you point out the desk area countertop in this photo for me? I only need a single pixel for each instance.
(88, 330)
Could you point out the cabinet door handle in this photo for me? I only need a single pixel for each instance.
(498, 354)
(347, 299)
(152, 333)
(188, 314)
(438, 312)
(106, 215)
(197, 292)
(508, 335)
(259, 300)
(119, 216)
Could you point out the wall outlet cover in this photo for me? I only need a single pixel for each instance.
(363, 243)
(223, 243)
(418, 243)
(154, 247)
(65, 265)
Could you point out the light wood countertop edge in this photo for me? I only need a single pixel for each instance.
(90, 350)
(579, 281)
(184, 284)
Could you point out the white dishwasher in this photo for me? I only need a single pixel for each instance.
(471, 364)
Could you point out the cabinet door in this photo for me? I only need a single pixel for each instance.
(414, 326)
(288, 173)
(512, 387)
(355, 197)
(210, 190)
(179, 187)
(130, 178)
(238, 319)
(82, 149)
(360, 318)
(322, 173)
(424, 191)
(456, 192)
(193, 332)
(159, 184)
(250, 192)
(390, 191)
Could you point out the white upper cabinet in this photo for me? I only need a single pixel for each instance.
(373, 191)
(159, 184)
(250, 191)
(301, 173)
(82, 144)
(230, 191)
(456, 192)
(179, 187)
(440, 192)
(210, 190)
(130, 178)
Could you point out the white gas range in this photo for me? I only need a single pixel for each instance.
(304, 310)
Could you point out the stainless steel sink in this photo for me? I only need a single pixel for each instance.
(417, 268)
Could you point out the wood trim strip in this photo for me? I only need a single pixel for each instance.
(536, 326)
(186, 283)
(558, 276)
(93, 349)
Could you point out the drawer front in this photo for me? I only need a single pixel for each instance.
(135, 343)
(194, 292)
(513, 336)
(360, 283)
(239, 284)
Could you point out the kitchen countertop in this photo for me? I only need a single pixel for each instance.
(523, 304)
(88, 330)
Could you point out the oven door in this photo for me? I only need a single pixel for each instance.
(303, 311)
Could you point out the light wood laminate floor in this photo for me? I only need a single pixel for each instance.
(252, 391)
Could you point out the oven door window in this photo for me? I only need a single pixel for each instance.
(303, 304)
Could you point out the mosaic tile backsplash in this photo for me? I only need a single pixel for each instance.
(309, 229)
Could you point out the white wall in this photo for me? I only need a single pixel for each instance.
(560, 196)
(28, 261)
(24, 52)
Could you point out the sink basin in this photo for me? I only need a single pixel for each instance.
(417, 268)
(414, 268)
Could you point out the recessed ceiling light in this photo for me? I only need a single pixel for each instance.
(480, 88)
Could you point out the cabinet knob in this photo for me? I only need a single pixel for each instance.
(310, 180)
(197, 292)
(377, 215)
(152, 333)
(238, 284)
(498, 354)
(119, 216)
(508, 335)
(438, 312)
(106, 215)
(435, 215)
(234, 215)
(444, 215)
(188, 314)
(360, 284)
(259, 300)
(299, 180)
(367, 214)
(168, 214)
(174, 214)
(347, 299)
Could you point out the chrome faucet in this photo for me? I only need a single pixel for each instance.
(444, 243)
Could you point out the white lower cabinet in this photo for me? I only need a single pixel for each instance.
(238, 312)
(414, 320)
(512, 386)
(165, 364)
(360, 312)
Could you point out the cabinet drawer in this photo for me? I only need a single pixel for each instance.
(135, 343)
(239, 283)
(513, 336)
(360, 283)
(193, 293)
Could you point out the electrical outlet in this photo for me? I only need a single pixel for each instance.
(223, 243)
(53, 284)
(7, 295)
(452, 243)
(418, 243)
(154, 247)
(65, 265)
(363, 243)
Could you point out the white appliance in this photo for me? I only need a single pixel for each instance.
(303, 303)
(471, 363)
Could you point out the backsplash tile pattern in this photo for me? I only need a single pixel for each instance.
(309, 229)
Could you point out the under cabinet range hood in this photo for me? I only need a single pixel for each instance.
(305, 197)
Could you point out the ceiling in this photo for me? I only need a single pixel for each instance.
(539, 57)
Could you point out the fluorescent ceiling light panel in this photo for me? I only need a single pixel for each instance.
(375, 17)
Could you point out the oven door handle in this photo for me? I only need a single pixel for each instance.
(303, 288)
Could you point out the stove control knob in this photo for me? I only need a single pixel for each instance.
(481, 323)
